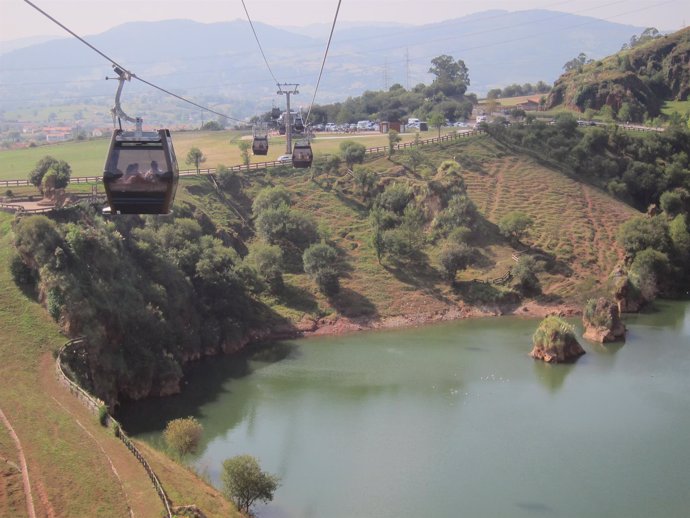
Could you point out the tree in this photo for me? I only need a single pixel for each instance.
(525, 275)
(648, 272)
(353, 153)
(245, 146)
(212, 126)
(577, 63)
(59, 168)
(454, 257)
(183, 435)
(643, 232)
(268, 262)
(395, 198)
(445, 68)
(271, 198)
(416, 157)
(244, 482)
(322, 264)
(393, 139)
(365, 180)
(671, 203)
(195, 157)
(437, 120)
(515, 225)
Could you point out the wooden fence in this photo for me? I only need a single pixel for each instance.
(264, 165)
(94, 405)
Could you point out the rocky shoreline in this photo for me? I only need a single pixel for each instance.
(338, 325)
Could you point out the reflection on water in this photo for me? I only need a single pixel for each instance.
(551, 376)
(451, 419)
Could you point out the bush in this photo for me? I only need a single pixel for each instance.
(595, 317)
(525, 275)
(322, 264)
(21, 273)
(183, 435)
(55, 302)
(103, 415)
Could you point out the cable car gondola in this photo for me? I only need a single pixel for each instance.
(302, 155)
(140, 174)
(260, 142)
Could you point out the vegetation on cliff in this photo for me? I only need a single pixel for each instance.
(602, 322)
(633, 83)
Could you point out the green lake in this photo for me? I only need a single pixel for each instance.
(451, 420)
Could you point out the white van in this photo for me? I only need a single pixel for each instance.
(363, 125)
(481, 118)
(413, 122)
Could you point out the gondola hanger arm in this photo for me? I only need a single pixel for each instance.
(117, 111)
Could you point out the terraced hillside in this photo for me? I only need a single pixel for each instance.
(575, 224)
(573, 221)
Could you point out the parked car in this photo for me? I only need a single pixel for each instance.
(284, 159)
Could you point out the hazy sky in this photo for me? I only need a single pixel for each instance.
(19, 20)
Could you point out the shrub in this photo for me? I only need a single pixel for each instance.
(21, 273)
(103, 415)
(55, 302)
(183, 435)
(595, 317)
(321, 263)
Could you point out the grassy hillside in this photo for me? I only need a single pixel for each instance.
(641, 78)
(574, 223)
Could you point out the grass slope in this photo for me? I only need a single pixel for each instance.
(68, 454)
(575, 223)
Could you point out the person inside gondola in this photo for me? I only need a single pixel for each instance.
(153, 173)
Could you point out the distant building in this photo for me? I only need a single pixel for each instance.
(57, 133)
(529, 104)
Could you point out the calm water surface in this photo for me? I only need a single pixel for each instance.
(452, 420)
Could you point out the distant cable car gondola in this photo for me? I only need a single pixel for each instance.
(140, 173)
(302, 155)
(260, 141)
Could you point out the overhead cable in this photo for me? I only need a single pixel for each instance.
(256, 37)
(128, 73)
(323, 63)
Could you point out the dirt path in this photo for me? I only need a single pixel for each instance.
(24, 467)
(139, 493)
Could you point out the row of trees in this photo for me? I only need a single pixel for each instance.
(446, 95)
(516, 90)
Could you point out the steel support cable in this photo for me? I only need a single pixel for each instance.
(116, 64)
(256, 37)
(323, 63)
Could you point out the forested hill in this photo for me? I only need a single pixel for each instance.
(634, 83)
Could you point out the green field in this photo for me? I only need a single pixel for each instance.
(219, 147)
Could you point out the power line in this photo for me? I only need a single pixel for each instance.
(251, 24)
(116, 64)
(323, 63)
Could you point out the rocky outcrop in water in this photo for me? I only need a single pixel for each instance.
(602, 322)
(554, 342)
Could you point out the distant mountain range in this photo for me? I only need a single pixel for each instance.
(220, 64)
